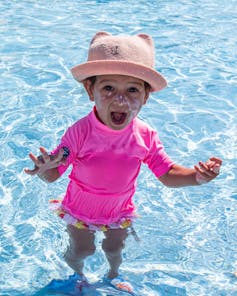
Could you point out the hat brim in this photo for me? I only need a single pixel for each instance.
(112, 67)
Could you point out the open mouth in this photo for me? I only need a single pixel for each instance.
(118, 117)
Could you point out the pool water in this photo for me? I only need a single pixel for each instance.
(188, 236)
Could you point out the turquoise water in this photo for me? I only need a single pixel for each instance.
(188, 236)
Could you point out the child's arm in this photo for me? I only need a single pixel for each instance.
(179, 176)
(46, 165)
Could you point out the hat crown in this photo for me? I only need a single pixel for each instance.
(131, 49)
(132, 56)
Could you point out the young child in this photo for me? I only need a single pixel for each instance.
(106, 149)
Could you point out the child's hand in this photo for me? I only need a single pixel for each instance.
(207, 171)
(46, 161)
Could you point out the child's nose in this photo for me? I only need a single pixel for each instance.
(121, 99)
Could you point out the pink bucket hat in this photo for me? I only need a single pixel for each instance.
(121, 55)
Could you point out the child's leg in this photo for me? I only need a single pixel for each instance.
(81, 245)
(112, 246)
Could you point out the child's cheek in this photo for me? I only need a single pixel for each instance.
(106, 98)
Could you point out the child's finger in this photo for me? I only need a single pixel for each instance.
(35, 159)
(203, 166)
(216, 160)
(204, 170)
(60, 153)
(216, 169)
(197, 168)
(46, 156)
(31, 172)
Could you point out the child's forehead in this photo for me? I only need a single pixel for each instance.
(119, 78)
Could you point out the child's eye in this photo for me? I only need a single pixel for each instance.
(108, 88)
(132, 89)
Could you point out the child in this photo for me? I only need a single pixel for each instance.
(106, 149)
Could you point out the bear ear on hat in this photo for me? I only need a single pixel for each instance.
(100, 34)
(147, 38)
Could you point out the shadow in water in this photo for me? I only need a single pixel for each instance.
(69, 287)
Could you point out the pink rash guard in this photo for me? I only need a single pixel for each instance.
(105, 165)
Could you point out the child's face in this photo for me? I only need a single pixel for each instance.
(118, 98)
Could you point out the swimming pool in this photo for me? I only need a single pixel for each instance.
(188, 236)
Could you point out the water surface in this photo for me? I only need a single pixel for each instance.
(188, 236)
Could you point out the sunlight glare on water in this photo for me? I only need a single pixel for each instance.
(188, 236)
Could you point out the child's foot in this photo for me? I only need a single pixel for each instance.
(121, 284)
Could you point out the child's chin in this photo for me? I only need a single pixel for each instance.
(116, 126)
